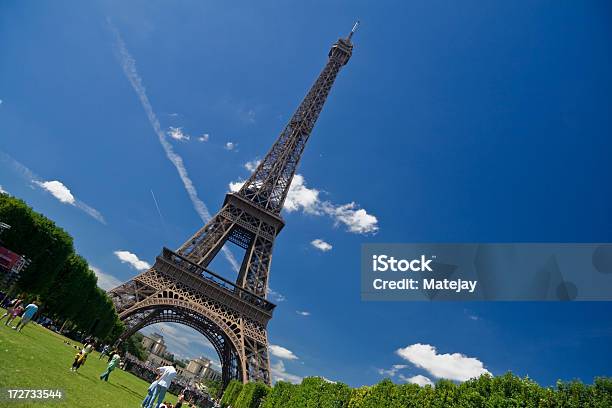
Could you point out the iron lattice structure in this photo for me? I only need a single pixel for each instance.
(232, 315)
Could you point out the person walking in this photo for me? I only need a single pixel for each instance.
(157, 389)
(15, 312)
(104, 351)
(112, 353)
(114, 362)
(15, 303)
(81, 356)
(28, 314)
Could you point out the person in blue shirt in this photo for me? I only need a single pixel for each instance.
(158, 388)
(28, 314)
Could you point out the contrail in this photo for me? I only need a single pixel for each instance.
(55, 187)
(161, 218)
(129, 69)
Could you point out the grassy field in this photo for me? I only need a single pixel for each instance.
(37, 358)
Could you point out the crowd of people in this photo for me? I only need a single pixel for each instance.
(164, 376)
(16, 309)
(192, 396)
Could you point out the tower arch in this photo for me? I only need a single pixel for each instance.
(221, 338)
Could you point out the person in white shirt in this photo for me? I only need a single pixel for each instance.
(158, 388)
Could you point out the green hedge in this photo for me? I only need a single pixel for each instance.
(279, 395)
(231, 393)
(251, 395)
(506, 391)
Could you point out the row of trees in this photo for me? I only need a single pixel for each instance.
(506, 391)
(249, 395)
(59, 277)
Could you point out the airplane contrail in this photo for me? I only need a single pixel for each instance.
(161, 217)
(55, 187)
(128, 64)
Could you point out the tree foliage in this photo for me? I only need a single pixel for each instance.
(279, 395)
(213, 387)
(134, 346)
(251, 395)
(39, 239)
(505, 391)
(231, 394)
(59, 277)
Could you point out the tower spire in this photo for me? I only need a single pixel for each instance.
(269, 184)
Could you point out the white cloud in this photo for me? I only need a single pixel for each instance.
(236, 185)
(321, 245)
(55, 187)
(356, 219)
(454, 366)
(128, 64)
(177, 134)
(3, 191)
(280, 374)
(204, 138)
(275, 296)
(58, 190)
(392, 371)
(281, 352)
(305, 199)
(230, 146)
(301, 197)
(473, 317)
(252, 165)
(302, 313)
(417, 379)
(132, 260)
(105, 280)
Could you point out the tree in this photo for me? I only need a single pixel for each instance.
(383, 394)
(133, 345)
(334, 395)
(279, 395)
(66, 295)
(505, 391)
(251, 395)
(62, 279)
(37, 238)
(231, 393)
(213, 387)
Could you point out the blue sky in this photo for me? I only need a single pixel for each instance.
(453, 122)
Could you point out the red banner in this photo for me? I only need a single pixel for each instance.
(8, 259)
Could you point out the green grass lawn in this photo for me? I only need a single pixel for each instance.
(37, 358)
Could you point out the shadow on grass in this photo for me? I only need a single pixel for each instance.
(134, 393)
(89, 378)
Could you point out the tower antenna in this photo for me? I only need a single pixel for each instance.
(355, 26)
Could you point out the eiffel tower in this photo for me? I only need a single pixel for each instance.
(180, 288)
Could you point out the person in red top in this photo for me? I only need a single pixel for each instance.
(9, 314)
